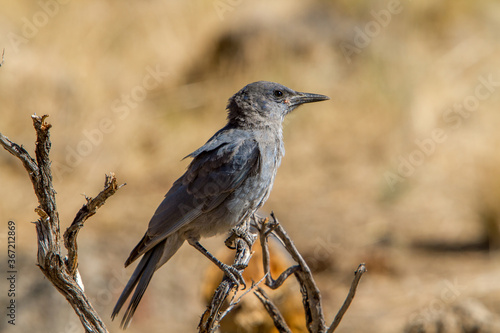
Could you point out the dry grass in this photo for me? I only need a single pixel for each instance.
(331, 192)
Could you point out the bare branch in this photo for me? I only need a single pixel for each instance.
(43, 183)
(62, 275)
(274, 312)
(311, 296)
(21, 153)
(350, 296)
(87, 210)
(265, 231)
(232, 304)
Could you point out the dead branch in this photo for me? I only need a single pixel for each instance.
(311, 296)
(61, 272)
(234, 303)
(87, 210)
(274, 312)
(350, 296)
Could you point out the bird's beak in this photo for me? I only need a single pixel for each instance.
(302, 98)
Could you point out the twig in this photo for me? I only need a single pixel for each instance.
(265, 231)
(3, 58)
(47, 226)
(350, 296)
(311, 296)
(233, 304)
(274, 312)
(87, 210)
(21, 153)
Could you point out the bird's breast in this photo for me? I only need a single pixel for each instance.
(253, 192)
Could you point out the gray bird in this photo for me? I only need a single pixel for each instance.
(229, 178)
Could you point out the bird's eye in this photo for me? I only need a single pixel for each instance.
(278, 93)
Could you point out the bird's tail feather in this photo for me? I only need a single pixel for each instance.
(150, 262)
(141, 277)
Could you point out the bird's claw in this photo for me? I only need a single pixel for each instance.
(235, 275)
(229, 242)
(245, 234)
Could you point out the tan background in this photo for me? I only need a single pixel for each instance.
(424, 236)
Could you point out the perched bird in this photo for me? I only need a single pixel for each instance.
(229, 178)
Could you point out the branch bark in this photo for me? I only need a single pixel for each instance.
(273, 311)
(61, 272)
(350, 296)
(311, 296)
(87, 210)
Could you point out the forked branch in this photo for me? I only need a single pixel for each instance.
(311, 296)
(87, 210)
(60, 271)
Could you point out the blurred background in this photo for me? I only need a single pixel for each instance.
(398, 170)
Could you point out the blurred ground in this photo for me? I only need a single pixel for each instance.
(398, 170)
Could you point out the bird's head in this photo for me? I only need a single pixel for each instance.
(263, 103)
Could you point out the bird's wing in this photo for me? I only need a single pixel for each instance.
(218, 168)
(216, 172)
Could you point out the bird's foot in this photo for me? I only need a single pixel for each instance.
(234, 275)
(242, 231)
(232, 272)
(229, 242)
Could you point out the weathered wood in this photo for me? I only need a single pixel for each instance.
(61, 272)
(273, 311)
(311, 296)
(350, 296)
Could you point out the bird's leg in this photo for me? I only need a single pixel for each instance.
(230, 271)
